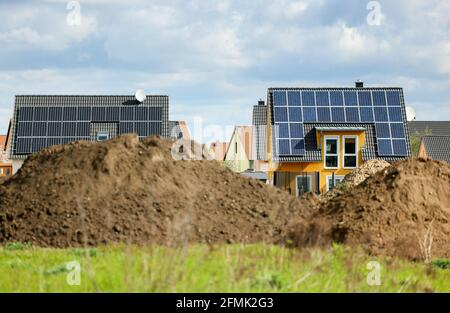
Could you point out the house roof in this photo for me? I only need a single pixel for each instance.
(439, 128)
(437, 147)
(380, 111)
(245, 134)
(2, 142)
(259, 122)
(40, 121)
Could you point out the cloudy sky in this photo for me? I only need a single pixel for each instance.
(216, 58)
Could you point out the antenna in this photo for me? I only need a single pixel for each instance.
(410, 114)
(140, 95)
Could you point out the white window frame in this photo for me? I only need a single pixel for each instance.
(350, 154)
(335, 176)
(309, 180)
(103, 134)
(338, 151)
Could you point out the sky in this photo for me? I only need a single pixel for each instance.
(216, 58)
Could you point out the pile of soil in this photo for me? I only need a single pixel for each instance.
(390, 213)
(126, 190)
(356, 177)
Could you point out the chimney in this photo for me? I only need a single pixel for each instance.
(261, 102)
(359, 84)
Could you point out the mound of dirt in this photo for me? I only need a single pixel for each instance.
(356, 177)
(126, 190)
(397, 212)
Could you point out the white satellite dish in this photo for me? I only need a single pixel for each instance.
(140, 95)
(410, 114)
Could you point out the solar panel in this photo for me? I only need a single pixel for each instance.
(39, 129)
(155, 114)
(24, 129)
(98, 114)
(323, 114)
(53, 141)
(395, 114)
(284, 147)
(69, 113)
(381, 114)
(393, 98)
(322, 98)
(84, 114)
(309, 114)
(399, 147)
(298, 146)
(295, 114)
(379, 98)
(83, 129)
(337, 115)
(350, 98)
(126, 127)
(397, 130)
(40, 113)
(23, 145)
(364, 98)
(69, 129)
(279, 98)
(26, 114)
(294, 98)
(366, 114)
(155, 128)
(141, 113)
(352, 114)
(296, 130)
(127, 113)
(281, 114)
(382, 130)
(336, 98)
(282, 130)
(384, 147)
(308, 98)
(112, 114)
(55, 113)
(39, 144)
(54, 129)
(142, 128)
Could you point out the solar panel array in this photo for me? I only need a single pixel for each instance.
(42, 126)
(293, 108)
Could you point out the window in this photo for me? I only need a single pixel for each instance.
(331, 184)
(102, 136)
(303, 184)
(331, 151)
(8, 172)
(350, 152)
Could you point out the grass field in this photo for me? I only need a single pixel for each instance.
(200, 268)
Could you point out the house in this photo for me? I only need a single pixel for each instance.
(315, 136)
(437, 128)
(218, 149)
(435, 148)
(259, 122)
(5, 163)
(179, 130)
(238, 156)
(42, 121)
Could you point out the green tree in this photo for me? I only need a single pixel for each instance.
(416, 138)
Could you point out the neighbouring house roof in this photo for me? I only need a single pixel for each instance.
(297, 113)
(255, 175)
(42, 121)
(437, 147)
(218, 149)
(340, 128)
(438, 128)
(2, 142)
(179, 130)
(259, 122)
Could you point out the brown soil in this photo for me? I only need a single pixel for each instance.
(124, 190)
(388, 213)
(356, 177)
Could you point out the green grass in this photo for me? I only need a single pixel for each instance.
(222, 268)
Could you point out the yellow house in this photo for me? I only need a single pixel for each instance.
(316, 136)
(238, 155)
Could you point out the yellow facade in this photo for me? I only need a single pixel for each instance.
(292, 170)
